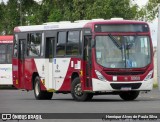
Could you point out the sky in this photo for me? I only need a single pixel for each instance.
(153, 25)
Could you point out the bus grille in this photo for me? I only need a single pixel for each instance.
(120, 85)
(125, 73)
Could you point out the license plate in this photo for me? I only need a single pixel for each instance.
(126, 88)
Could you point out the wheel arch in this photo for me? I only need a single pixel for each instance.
(74, 75)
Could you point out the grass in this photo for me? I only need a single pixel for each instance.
(155, 85)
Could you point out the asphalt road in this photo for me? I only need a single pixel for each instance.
(17, 101)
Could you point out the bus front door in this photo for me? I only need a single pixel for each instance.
(87, 65)
(50, 40)
(21, 67)
(50, 53)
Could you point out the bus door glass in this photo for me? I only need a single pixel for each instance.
(87, 56)
(50, 44)
(22, 44)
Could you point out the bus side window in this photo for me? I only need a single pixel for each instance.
(73, 43)
(61, 44)
(2, 53)
(33, 45)
(9, 53)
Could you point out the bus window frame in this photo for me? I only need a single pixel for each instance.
(79, 40)
(14, 37)
(42, 49)
(57, 43)
(80, 55)
(29, 39)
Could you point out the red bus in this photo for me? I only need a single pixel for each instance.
(6, 44)
(84, 58)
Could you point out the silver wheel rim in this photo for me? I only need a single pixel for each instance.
(78, 90)
(37, 89)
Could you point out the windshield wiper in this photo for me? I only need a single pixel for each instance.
(114, 40)
(121, 47)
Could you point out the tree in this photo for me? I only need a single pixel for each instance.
(2, 14)
(71, 10)
(149, 11)
(29, 12)
(112, 8)
(10, 17)
(16, 13)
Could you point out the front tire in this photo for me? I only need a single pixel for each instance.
(129, 96)
(77, 93)
(39, 94)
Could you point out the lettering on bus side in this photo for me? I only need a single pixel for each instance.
(57, 70)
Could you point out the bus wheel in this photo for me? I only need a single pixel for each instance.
(39, 94)
(89, 97)
(77, 93)
(128, 96)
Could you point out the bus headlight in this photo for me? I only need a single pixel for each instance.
(149, 75)
(100, 76)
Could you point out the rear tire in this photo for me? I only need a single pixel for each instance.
(39, 94)
(77, 93)
(129, 96)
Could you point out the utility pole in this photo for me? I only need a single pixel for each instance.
(158, 49)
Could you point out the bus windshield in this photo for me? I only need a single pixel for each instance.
(5, 53)
(123, 51)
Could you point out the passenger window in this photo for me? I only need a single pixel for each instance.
(61, 44)
(34, 42)
(2, 53)
(9, 53)
(73, 43)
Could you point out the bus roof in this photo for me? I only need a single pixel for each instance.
(73, 25)
(6, 39)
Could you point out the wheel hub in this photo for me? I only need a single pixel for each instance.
(78, 90)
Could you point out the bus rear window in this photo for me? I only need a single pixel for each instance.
(5, 53)
(2, 53)
(121, 28)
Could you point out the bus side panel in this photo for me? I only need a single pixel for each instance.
(32, 67)
(19, 73)
(38, 65)
(16, 74)
(76, 66)
(73, 67)
(22, 77)
(6, 74)
(60, 74)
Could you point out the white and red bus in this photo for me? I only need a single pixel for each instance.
(6, 44)
(84, 58)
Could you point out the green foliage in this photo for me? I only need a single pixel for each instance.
(149, 11)
(2, 6)
(9, 17)
(29, 12)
